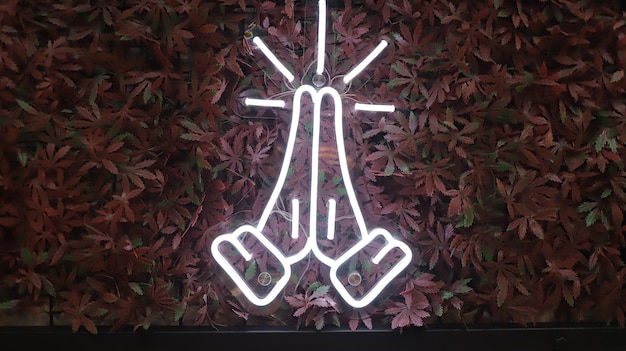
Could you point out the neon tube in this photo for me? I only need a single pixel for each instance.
(291, 142)
(273, 59)
(295, 218)
(366, 237)
(374, 107)
(332, 210)
(368, 59)
(264, 102)
(317, 112)
(321, 37)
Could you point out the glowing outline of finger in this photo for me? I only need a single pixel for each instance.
(381, 284)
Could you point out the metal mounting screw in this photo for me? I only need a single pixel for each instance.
(264, 279)
(319, 80)
(354, 279)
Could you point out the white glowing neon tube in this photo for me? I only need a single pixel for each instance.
(332, 210)
(264, 102)
(291, 142)
(381, 283)
(315, 149)
(321, 37)
(273, 59)
(295, 218)
(368, 59)
(374, 107)
(343, 161)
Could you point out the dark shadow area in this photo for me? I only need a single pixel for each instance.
(543, 338)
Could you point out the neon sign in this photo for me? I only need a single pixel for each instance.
(234, 239)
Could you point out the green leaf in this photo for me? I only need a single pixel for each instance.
(251, 270)
(599, 144)
(189, 136)
(446, 294)
(147, 95)
(99, 312)
(487, 253)
(559, 17)
(352, 266)
(319, 322)
(389, 169)
(569, 298)
(22, 157)
(25, 106)
(467, 220)
(504, 166)
(612, 145)
(586, 206)
(367, 267)
(179, 312)
(322, 290)
(336, 320)
(617, 76)
(6, 305)
(394, 83)
(438, 309)
(136, 288)
(528, 77)
(314, 286)
(591, 218)
(49, 288)
(27, 256)
(136, 242)
(463, 288)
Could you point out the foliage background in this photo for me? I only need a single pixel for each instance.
(125, 150)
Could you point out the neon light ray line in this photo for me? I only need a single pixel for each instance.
(374, 107)
(332, 210)
(273, 59)
(368, 59)
(264, 102)
(295, 218)
(321, 37)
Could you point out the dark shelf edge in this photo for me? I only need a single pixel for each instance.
(549, 337)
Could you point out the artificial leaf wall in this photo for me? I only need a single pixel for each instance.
(126, 149)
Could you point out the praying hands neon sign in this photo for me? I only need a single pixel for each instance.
(234, 239)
